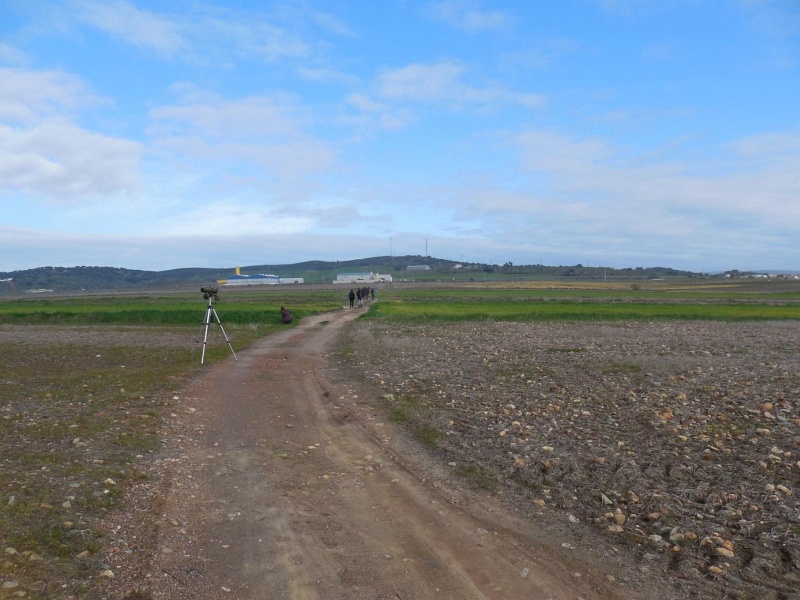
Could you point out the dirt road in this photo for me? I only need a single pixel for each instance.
(282, 488)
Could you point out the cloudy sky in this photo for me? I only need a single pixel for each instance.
(165, 134)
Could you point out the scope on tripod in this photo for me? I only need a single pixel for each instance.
(209, 292)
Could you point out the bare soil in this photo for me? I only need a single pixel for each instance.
(676, 441)
(281, 479)
(353, 459)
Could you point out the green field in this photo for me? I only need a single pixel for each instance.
(240, 307)
(591, 302)
(258, 310)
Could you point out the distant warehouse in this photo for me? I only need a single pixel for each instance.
(362, 278)
(258, 279)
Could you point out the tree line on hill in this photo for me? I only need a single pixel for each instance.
(66, 279)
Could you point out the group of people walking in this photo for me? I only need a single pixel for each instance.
(360, 295)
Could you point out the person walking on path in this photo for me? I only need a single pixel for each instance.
(352, 297)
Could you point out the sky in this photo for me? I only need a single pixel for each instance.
(158, 135)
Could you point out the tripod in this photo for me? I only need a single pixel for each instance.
(211, 311)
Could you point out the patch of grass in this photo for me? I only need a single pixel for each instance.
(479, 476)
(399, 414)
(622, 368)
(427, 435)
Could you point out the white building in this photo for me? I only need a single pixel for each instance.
(259, 279)
(362, 278)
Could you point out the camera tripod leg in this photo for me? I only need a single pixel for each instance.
(222, 329)
(206, 323)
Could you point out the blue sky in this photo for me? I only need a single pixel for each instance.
(165, 134)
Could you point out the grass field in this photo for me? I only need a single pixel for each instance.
(241, 307)
(537, 301)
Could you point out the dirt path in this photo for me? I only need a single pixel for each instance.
(280, 491)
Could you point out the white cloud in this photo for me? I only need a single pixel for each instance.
(326, 75)
(43, 152)
(208, 34)
(679, 200)
(132, 25)
(442, 83)
(418, 82)
(12, 55)
(264, 131)
(230, 218)
(372, 115)
(63, 162)
(467, 16)
(331, 23)
(247, 36)
(27, 96)
(768, 146)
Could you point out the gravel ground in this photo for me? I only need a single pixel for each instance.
(678, 440)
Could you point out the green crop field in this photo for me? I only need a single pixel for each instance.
(237, 308)
(588, 303)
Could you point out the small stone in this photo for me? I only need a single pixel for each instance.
(724, 552)
(108, 573)
(616, 528)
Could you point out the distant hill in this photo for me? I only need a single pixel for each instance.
(70, 279)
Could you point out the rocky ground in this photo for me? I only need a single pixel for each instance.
(679, 440)
(676, 441)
